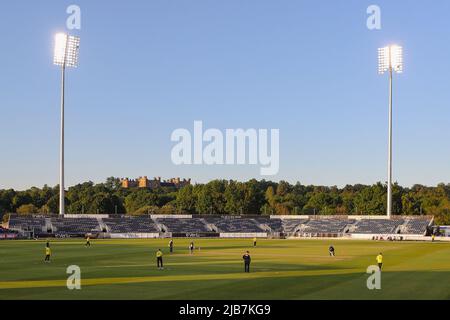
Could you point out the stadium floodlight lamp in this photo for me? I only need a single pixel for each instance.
(390, 59)
(65, 55)
(66, 50)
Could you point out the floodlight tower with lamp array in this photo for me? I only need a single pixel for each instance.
(390, 59)
(65, 55)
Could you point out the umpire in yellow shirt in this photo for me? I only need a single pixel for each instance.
(159, 259)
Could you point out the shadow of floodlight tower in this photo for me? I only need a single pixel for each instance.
(65, 55)
(390, 59)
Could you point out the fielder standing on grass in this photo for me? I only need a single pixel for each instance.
(380, 260)
(88, 241)
(171, 246)
(48, 252)
(159, 259)
(247, 260)
(254, 241)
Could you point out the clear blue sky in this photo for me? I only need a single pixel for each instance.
(308, 68)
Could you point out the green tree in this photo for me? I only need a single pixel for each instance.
(186, 199)
(113, 183)
(27, 209)
(146, 210)
(139, 199)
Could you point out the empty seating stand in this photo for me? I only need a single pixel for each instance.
(235, 225)
(26, 223)
(326, 225)
(183, 225)
(417, 226)
(377, 226)
(291, 225)
(207, 225)
(74, 226)
(275, 225)
(130, 225)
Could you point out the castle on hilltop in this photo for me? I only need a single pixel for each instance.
(144, 182)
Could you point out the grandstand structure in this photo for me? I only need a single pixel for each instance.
(242, 226)
(8, 234)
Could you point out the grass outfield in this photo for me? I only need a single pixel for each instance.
(281, 269)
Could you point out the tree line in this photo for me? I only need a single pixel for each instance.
(232, 197)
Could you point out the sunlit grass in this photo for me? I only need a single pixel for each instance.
(281, 269)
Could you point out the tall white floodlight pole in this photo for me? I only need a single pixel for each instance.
(390, 59)
(66, 55)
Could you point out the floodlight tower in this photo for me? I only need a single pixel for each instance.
(390, 59)
(65, 55)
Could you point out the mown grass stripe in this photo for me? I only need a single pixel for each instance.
(124, 280)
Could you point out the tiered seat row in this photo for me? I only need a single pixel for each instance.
(416, 226)
(130, 225)
(26, 223)
(183, 225)
(291, 225)
(377, 226)
(275, 225)
(327, 225)
(74, 225)
(237, 225)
